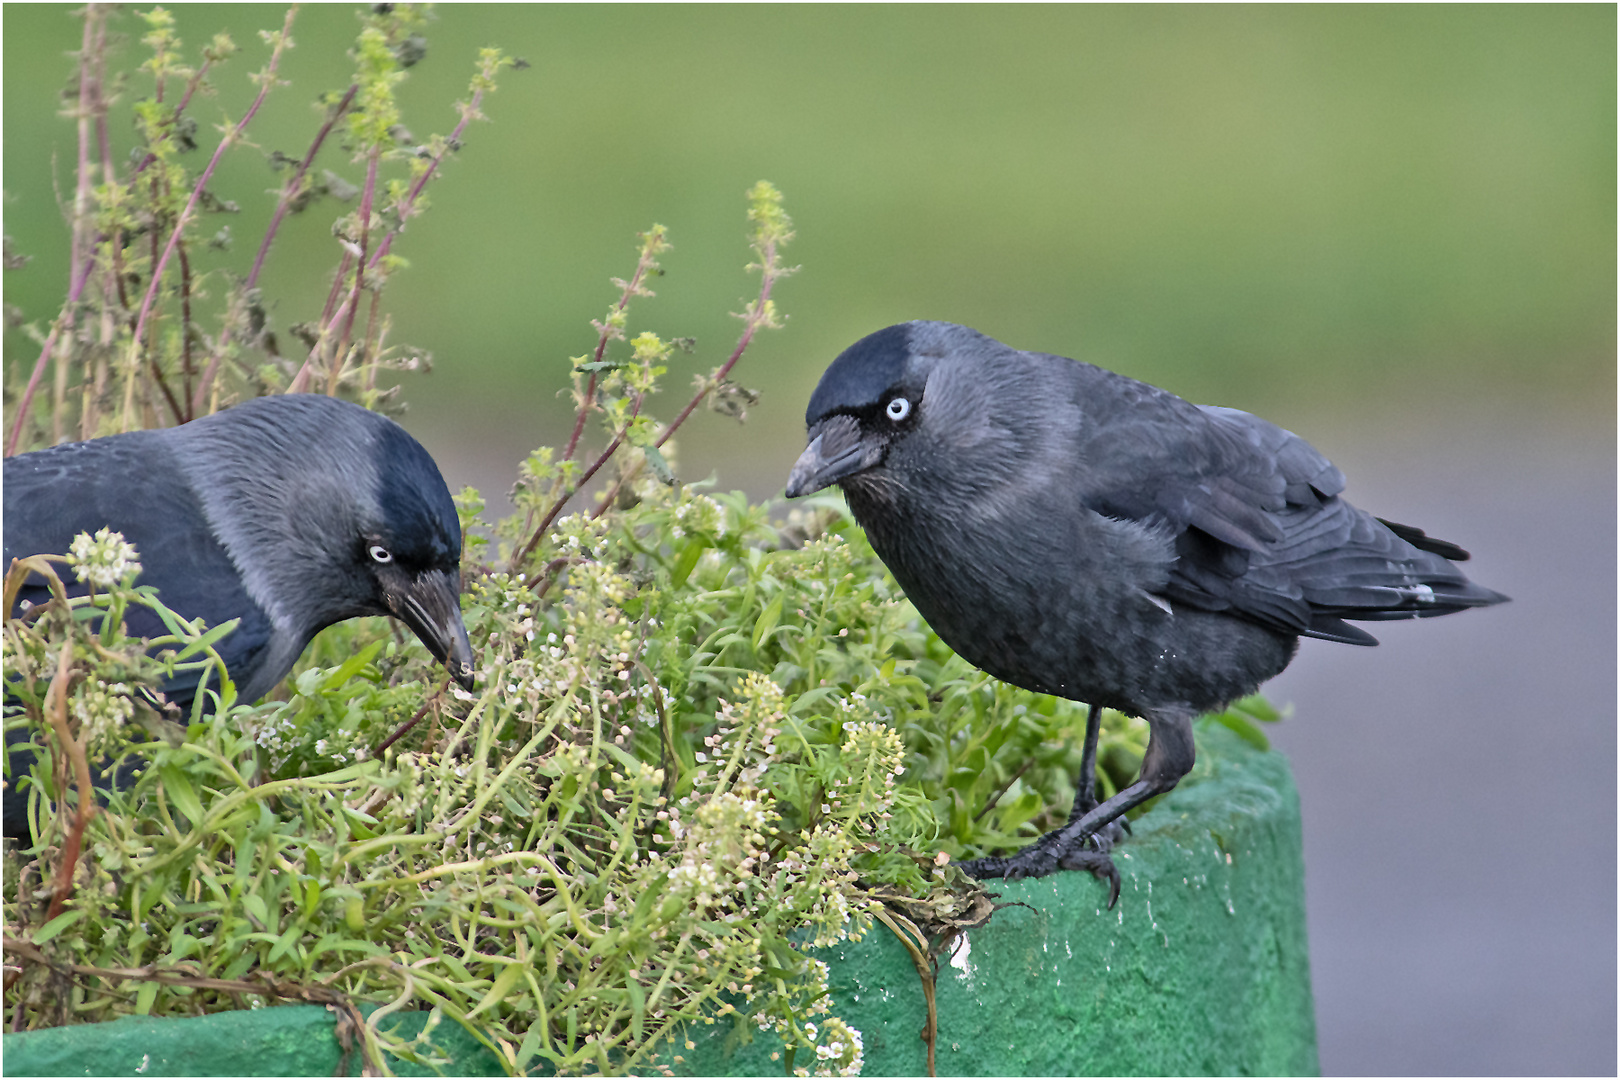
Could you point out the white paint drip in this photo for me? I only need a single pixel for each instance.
(959, 959)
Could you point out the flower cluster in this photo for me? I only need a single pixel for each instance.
(698, 515)
(724, 842)
(102, 709)
(838, 1048)
(103, 560)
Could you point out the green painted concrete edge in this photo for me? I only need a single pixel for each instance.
(1201, 969)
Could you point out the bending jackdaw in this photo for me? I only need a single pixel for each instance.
(1079, 533)
(290, 513)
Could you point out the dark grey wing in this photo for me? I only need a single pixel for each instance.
(1258, 525)
(129, 483)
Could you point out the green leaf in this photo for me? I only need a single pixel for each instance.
(688, 558)
(255, 906)
(1256, 707)
(351, 667)
(658, 464)
(285, 943)
(1240, 725)
(57, 925)
(502, 986)
(207, 641)
(768, 618)
(179, 789)
(638, 1008)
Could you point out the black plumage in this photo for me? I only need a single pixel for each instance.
(1079, 533)
(290, 513)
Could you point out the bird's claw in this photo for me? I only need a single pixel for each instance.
(1048, 855)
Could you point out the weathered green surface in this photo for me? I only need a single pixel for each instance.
(293, 1040)
(1200, 969)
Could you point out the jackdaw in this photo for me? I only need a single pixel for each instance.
(290, 513)
(1079, 533)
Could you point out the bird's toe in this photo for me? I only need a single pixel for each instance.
(1098, 864)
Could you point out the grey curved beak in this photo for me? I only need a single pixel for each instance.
(430, 604)
(835, 451)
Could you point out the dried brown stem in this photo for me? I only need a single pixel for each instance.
(366, 196)
(56, 716)
(265, 985)
(407, 206)
(80, 261)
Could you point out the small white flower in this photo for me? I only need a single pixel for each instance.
(103, 560)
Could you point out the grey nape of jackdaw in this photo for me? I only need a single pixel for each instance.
(1079, 533)
(290, 513)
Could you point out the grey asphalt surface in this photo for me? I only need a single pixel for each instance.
(1458, 783)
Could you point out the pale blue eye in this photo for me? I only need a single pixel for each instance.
(898, 409)
(380, 554)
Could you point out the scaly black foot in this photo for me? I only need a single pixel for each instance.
(1067, 848)
(1052, 853)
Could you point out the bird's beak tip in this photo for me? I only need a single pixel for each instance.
(458, 658)
(801, 481)
(813, 471)
(433, 612)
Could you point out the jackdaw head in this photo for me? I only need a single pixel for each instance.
(332, 511)
(916, 403)
(409, 553)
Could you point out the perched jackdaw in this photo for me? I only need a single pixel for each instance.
(1079, 533)
(290, 513)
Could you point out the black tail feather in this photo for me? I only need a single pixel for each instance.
(1424, 542)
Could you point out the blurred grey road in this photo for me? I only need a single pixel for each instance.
(1458, 781)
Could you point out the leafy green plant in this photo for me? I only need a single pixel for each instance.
(703, 740)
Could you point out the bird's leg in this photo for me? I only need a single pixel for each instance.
(1169, 757)
(1085, 800)
(1085, 787)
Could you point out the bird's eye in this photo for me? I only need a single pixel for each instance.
(898, 409)
(380, 554)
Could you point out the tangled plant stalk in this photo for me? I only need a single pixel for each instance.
(125, 358)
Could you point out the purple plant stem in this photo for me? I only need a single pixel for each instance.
(601, 347)
(753, 326)
(366, 196)
(556, 507)
(202, 181)
(185, 99)
(306, 371)
(605, 334)
(75, 291)
(293, 184)
(187, 372)
(411, 196)
(78, 258)
(770, 275)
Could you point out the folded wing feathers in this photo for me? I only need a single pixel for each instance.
(1270, 539)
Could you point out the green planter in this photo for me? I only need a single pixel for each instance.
(1200, 969)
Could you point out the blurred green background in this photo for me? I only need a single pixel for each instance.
(1338, 217)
